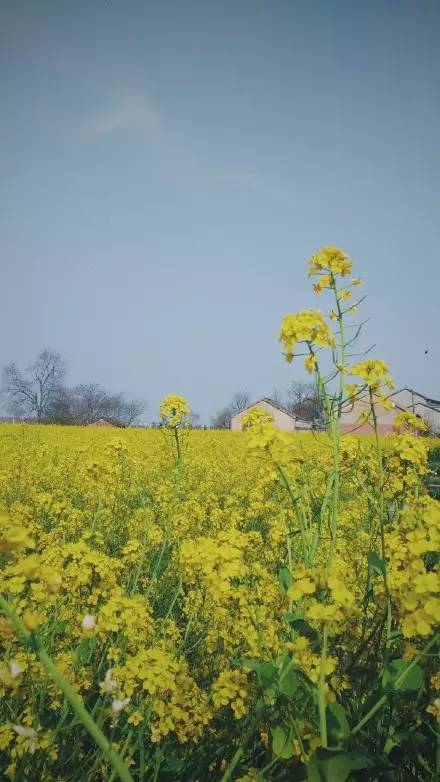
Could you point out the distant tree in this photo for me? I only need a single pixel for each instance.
(39, 392)
(277, 397)
(240, 401)
(303, 400)
(31, 392)
(222, 420)
(131, 411)
(195, 420)
(89, 402)
(60, 408)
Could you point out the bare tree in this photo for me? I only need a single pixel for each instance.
(121, 411)
(133, 411)
(222, 420)
(39, 392)
(195, 420)
(89, 402)
(277, 397)
(31, 393)
(240, 401)
(304, 401)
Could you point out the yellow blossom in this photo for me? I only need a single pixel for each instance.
(330, 259)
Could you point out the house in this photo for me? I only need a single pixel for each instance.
(406, 399)
(423, 406)
(102, 422)
(284, 420)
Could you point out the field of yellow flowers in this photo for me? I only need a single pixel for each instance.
(197, 605)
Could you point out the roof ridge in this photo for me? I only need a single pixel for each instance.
(271, 402)
(419, 393)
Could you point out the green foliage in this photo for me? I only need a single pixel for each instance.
(285, 579)
(376, 565)
(329, 766)
(396, 678)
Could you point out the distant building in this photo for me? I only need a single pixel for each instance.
(423, 406)
(283, 419)
(102, 422)
(406, 399)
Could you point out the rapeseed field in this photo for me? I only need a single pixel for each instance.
(210, 605)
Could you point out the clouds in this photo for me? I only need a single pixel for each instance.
(121, 111)
(97, 113)
(126, 112)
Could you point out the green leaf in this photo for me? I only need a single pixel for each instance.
(290, 617)
(267, 675)
(376, 565)
(313, 774)
(173, 763)
(329, 766)
(288, 683)
(251, 665)
(300, 626)
(394, 669)
(337, 723)
(282, 743)
(285, 579)
(84, 651)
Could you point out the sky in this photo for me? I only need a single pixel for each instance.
(168, 167)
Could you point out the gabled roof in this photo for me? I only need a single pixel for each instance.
(428, 407)
(101, 422)
(269, 402)
(427, 399)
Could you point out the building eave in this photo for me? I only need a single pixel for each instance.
(269, 402)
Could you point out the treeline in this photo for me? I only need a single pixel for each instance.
(40, 393)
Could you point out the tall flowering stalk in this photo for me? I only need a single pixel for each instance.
(175, 411)
(311, 329)
(376, 384)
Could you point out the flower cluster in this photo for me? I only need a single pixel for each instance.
(330, 259)
(409, 422)
(414, 586)
(232, 689)
(307, 326)
(174, 410)
(374, 373)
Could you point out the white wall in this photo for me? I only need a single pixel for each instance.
(430, 415)
(404, 399)
(281, 419)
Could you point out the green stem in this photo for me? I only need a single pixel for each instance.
(178, 449)
(81, 712)
(398, 682)
(289, 556)
(321, 691)
(298, 513)
(333, 421)
(381, 520)
(238, 754)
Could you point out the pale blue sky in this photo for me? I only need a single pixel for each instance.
(167, 168)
